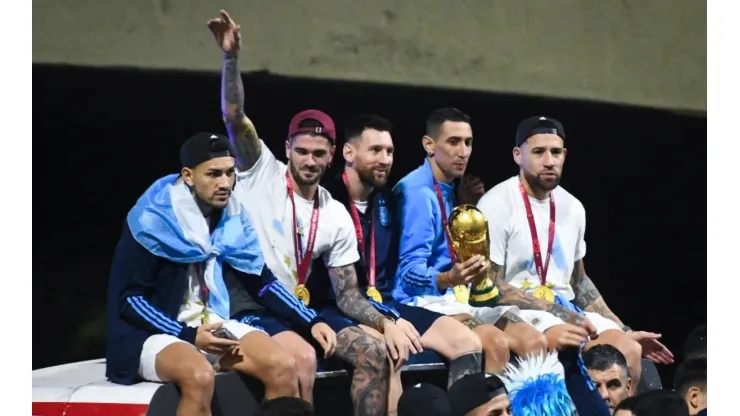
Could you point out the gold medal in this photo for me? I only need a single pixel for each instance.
(301, 292)
(545, 293)
(373, 294)
(462, 294)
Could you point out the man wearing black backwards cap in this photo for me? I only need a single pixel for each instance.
(297, 222)
(479, 394)
(540, 249)
(186, 246)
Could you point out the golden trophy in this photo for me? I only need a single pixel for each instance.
(468, 230)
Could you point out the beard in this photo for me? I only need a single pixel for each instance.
(539, 183)
(296, 174)
(368, 176)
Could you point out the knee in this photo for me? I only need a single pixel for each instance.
(305, 359)
(631, 349)
(371, 353)
(197, 378)
(281, 368)
(494, 340)
(533, 344)
(465, 341)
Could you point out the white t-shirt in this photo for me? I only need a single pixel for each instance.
(263, 192)
(511, 239)
(192, 309)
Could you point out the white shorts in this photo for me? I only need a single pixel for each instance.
(448, 305)
(156, 343)
(542, 321)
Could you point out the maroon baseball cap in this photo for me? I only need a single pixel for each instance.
(326, 129)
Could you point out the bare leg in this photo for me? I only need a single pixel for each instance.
(185, 366)
(260, 356)
(523, 338)
(395, 387)
(495, 343)
(457, 343)
(631, 349)
(305, 357)
(369, 358)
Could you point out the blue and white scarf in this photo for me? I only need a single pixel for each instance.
(167, 221)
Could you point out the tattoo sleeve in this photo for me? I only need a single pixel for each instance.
(349, 299)
(510, 295)
(588, 297)
(242, 134)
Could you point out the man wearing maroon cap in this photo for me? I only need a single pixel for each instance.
(297, 221)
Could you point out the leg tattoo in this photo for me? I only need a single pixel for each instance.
(472, 322)
(463, 365)
(371, 370)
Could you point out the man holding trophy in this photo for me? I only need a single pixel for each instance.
(441, 258)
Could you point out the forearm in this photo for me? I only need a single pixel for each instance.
(357, 307)
(242, 134)
(587, 296)
(349, 299)
(232, 88)
(510, 295)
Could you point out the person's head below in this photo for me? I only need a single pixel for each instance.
(690, 381)
(448, 141)
(653, 403)
(608, 369)
(539, 150)
(424, 400)
(310, 146)
(209, 169)
(369, 148)
(284, 406)
(479, 394)
(696, 343)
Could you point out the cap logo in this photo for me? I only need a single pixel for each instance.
(543, 118)
(319, 130)
(213, 136)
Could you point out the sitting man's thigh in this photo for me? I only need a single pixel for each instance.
(165, 358)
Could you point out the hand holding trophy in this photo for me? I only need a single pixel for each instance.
(468, 231)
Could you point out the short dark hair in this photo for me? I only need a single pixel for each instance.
(284, 406)
(437, 118)
(361, 122)
(696, 343)
(602, 357)
(691, 373)
(664, 402)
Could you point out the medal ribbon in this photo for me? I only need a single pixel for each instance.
(440, 200)
(541, 272)
(302, 264)
(198, 269)
(360, 239)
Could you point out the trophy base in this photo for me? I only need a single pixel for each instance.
(484, 297)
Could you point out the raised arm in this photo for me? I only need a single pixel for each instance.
(242, 134)
(587, 296)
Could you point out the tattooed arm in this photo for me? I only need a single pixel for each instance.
(349, 298)
(242, 134)
(588, 297)
(510, 295)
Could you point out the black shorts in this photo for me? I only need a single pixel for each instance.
(422, 319)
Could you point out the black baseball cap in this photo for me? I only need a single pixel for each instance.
(202, 147)
(474, 390)
(538, 125)
(424, 400)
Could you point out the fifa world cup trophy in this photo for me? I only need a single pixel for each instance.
(468, 230)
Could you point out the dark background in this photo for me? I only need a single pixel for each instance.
(102, 136)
